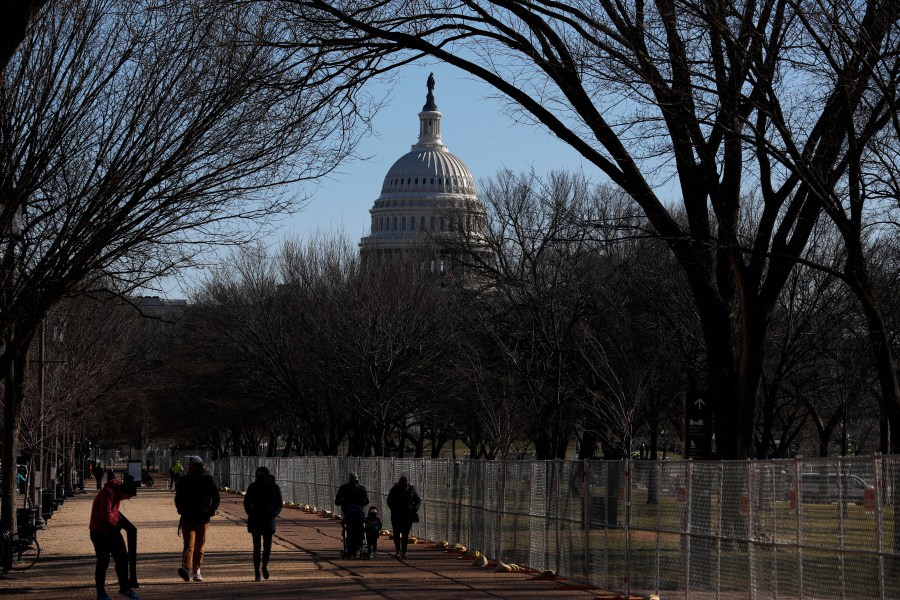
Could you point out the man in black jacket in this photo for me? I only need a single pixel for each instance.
(197, 500)
(351, 494)
(352, 498)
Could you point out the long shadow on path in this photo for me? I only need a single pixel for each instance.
(305, 562)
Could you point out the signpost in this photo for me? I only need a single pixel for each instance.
(698, 425)
(134, 469)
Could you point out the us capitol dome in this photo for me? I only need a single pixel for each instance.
(428, 195)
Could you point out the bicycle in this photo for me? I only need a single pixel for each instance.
(21, 549)
(146, 479)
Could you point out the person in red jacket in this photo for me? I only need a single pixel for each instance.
(106, 536)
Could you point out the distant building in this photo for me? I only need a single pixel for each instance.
(428, 197)
(154, 306)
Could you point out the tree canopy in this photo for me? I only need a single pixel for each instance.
(787, 107)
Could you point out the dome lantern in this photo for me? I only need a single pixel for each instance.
(429, 122)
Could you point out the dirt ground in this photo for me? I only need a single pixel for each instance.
(305, 562)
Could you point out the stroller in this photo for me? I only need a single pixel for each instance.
(353, 532)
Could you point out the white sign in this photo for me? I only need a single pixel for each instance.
(134, 469)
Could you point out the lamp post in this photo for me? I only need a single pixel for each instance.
(84, 452)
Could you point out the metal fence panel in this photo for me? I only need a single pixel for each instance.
(805, 528)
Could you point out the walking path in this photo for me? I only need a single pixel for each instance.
(305, 562)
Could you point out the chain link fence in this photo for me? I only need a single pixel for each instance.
(805, 528)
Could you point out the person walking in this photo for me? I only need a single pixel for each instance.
(105, 529)
(404, 501)
(352, 493)
(98, 475)
(197, 500)
(262, 503)
(21, 481)
(175, 474)
(373, 530)
(352, 497)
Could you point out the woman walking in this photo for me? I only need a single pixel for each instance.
(403, 500)
(262, 504)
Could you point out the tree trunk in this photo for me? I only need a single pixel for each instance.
(588, 442)
(886, 366)
(15, 18)
(13, 403)
(885, 361)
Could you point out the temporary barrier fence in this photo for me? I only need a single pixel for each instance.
(800, 528)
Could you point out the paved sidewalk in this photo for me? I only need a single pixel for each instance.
(305, 562)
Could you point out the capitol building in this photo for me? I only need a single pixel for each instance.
(428, 197)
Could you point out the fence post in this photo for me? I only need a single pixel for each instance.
(585, 493)
(687, 527)
(448, 498)
(843, 508)
(557, 473)
(657, 466)
(799, 512)
(426, 534)
(877, 471)
(627, 474)
(501, 508)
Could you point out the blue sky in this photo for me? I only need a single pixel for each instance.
(475, 128)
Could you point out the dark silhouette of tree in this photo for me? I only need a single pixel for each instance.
(15, 18)
(717, 99)
(134, 137)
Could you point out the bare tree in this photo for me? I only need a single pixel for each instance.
(132, 136)
(262, 326)
(489, 414)
(537, 265)
(317, 276)
(208, 389)
(392, 332)
(846, 164)
(85, 347)
(816, 354)
(15, 18)
(718, 98)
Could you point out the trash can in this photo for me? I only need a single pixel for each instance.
(46, 504)
(25, 518)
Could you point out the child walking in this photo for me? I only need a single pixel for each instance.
(373, 529)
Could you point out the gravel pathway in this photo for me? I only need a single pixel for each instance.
(305, 562)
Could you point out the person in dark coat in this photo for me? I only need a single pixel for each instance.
(403, 500)
(352, 493)
(262, 503)
(197, 500)
(98, 475)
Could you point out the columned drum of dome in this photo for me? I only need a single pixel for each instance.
(427, 195)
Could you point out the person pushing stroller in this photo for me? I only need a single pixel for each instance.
(352, 498)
